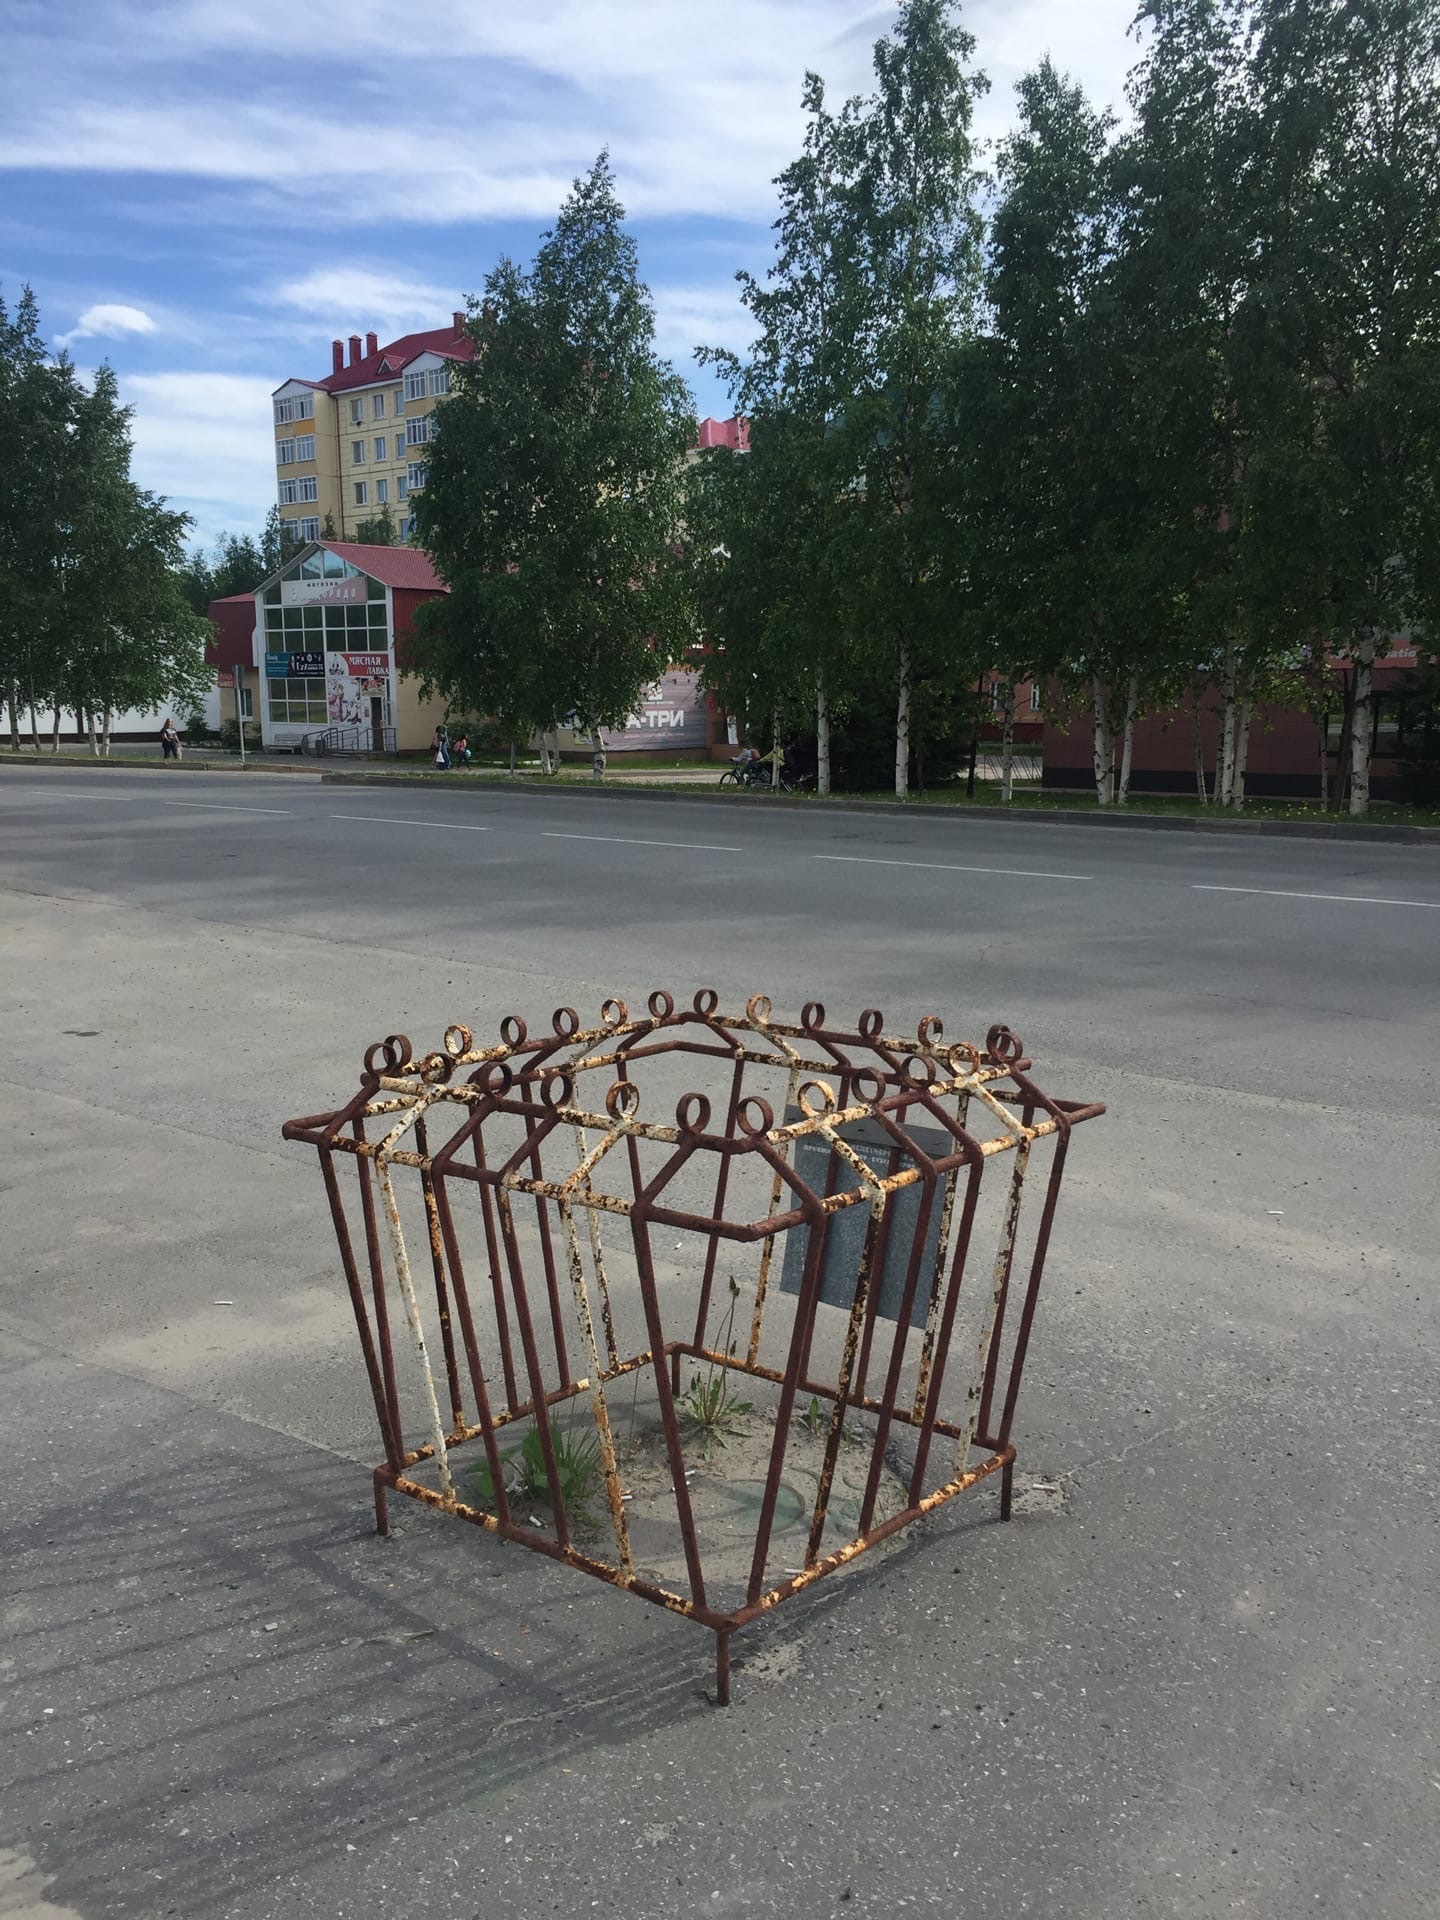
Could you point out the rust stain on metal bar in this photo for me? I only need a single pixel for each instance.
(453, 1139)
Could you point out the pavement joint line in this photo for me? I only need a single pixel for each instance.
(219, 806)
(404, 820)
(1350, 899)
(944, 866)
(622, 840)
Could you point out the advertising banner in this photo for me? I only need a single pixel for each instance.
(277, 666)
(325, 593)
(671, 714)
(307, 663)
(350, 681)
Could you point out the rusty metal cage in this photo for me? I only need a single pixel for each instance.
(840, 1170)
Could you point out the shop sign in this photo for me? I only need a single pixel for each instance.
(307, 663)
(353, 592)
(277, 666)
(366, 666)
(224, 678)
(671, 714)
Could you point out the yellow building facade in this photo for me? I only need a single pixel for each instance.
(353, 444)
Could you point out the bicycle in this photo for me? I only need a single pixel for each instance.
(758, 776)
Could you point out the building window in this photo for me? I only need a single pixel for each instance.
(402, 487)
(1034, 696)
(285, 452)
(305, 447)
(299, 701)
(309, 487)
(357, 453)
(380, 453)
(247, 704)
(284, 412)
(406, 526)
(307, 529)
(397, 401)
(305, 407)
(415, 386)
(362, 493)
(377, 407)
(415, 475)
(417, 432)
(357, 412)
(287, 493)
(382, 492)
(439, 380)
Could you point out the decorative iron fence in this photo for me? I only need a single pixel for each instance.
(606, 1281)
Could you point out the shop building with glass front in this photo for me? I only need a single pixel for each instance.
(331, 634)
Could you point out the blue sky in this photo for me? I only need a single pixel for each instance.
(206, 193)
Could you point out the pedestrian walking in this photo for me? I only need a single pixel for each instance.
(440, 748)
(169, 741)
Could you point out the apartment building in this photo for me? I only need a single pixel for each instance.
(352, 444)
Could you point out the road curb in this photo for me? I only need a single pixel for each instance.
(27, 763)
(1074, 816)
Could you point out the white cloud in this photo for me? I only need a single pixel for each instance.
(697, 99)
(353, 299)
(205, 440)
(108, 322)
(693, 316)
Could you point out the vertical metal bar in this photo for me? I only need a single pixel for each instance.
(767, 1251)
(442, 1291)
(497, 1285)
(357, 1302)
(1037, 1268)
(866, 1283)
(717, 1211)
(958, 1261)
(804, 1310)
(1004, 1258)
(640, 1232)
(608, 1464)
(552, 1278)
(412, 1314)
(377, 1291)
(472, 1354)
(891, 1390)
(532, 1366)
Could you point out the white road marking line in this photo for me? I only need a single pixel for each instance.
(1351, 899)
(941, 866)
(217, 806)
(617, 840)
(405, 820)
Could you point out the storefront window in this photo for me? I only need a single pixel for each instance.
(300, 701)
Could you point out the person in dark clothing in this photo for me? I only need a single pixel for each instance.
(169, 741)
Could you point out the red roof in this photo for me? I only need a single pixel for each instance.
(394, 566)
(450, 342)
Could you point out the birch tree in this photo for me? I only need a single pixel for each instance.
(553, 506)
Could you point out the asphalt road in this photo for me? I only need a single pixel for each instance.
(1204, 1686)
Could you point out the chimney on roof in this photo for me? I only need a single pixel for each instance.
(337, 355)
(372, 345)
(459, 320)
(354, 348)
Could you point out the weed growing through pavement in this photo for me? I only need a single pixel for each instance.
(709, 1405)
(526, 1476)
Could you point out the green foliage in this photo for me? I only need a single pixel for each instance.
(235, 564)
(711, 1409)
(93, 609)
(527, 1477)
(379, 531)
(553, 496)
